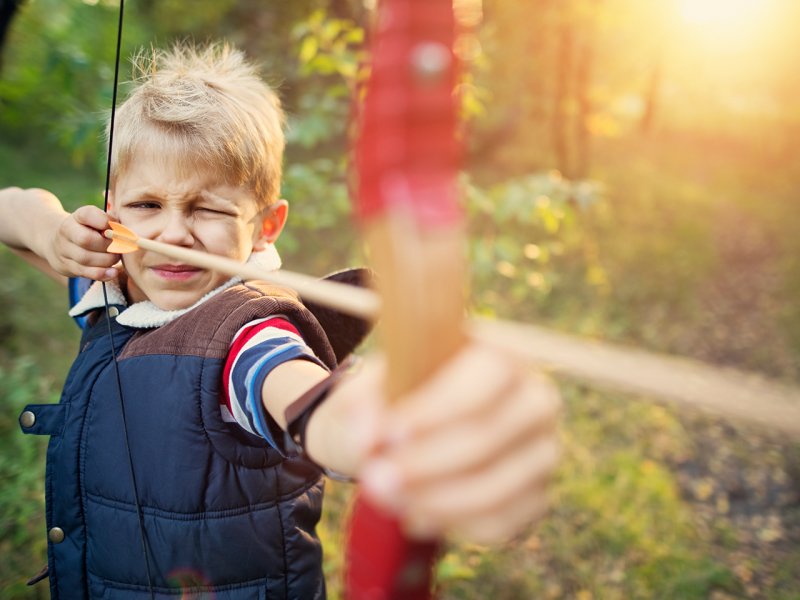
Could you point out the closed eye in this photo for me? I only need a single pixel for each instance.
(214, 211)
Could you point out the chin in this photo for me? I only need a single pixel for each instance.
(176, 301)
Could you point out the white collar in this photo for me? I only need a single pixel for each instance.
(145, 314)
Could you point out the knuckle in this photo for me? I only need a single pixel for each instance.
(80, 236)
(551, 454)
(489, 532)
(86, 238)
(82, 214)
(546, 394)
(82, 257)
(66, 224)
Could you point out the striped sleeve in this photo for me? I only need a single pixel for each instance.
(255, 351)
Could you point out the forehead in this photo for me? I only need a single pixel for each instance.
(171, 174)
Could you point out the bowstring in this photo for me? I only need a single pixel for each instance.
(139, 514)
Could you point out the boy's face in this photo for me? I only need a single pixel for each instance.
(194, 210)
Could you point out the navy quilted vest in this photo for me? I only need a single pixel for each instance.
(225, 515)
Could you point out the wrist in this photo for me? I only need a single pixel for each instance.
(44, 243)
(46, 211)
(315, 428)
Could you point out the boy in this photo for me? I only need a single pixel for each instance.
(209, 366)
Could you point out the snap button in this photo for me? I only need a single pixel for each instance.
(113, 311)
(27, 419)
(56, 535)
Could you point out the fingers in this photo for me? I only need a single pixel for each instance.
(490, 503)
(516, 415)
(91, 216)
(469, 452)
(81, 248)
(99, 273)
(485, 494)
(473, 378)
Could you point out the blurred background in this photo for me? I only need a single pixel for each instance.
(631, 174)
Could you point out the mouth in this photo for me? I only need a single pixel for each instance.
(175, 272)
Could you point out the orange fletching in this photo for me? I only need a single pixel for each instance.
(123, 239)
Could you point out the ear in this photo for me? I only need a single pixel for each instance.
(111, 208)
(272, 221)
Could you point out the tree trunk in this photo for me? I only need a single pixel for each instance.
(347, 9)
(564, 67)
(8, 9)
(583, 82)
(651, 95)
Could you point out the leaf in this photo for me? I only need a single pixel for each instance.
(308, 49)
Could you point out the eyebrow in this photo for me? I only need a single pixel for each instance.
(153, 193)
(208, 197)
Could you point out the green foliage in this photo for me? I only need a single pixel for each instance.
(620, 508)
(330, 57)
(175, 19)
(23, 541)
(529, 238)
(32, 315)
(56, 83)
(329, 46)
(332, 534)
(319, 237)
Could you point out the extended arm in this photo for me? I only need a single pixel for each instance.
(19, 209)
(470, 451)
(36, 227)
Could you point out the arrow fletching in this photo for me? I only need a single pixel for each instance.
(123, 239)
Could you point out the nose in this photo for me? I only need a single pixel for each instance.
(176, 229)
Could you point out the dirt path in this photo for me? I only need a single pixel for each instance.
(740, 303)
(743, 483)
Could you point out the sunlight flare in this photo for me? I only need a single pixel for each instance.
(719, 12)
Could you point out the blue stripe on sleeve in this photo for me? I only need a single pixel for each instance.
(249, 373)
(250, 357)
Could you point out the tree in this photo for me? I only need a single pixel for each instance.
(8, 9)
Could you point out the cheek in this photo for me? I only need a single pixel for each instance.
(226, 238)
(132, 264)
(144, 224)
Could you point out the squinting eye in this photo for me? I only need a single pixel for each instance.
(144, 205)
(213, 211)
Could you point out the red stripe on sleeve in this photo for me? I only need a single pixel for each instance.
(244, 336)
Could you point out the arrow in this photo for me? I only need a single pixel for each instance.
(724, 391)
(727, 392)
(345, 298)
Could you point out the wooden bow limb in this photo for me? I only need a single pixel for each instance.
(726, 392)
(420, 332)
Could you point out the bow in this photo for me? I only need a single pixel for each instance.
(407, 160)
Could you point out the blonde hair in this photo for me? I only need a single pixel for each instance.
(208, 108)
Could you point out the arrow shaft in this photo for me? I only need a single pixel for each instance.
(728, 392)
(348, 299)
